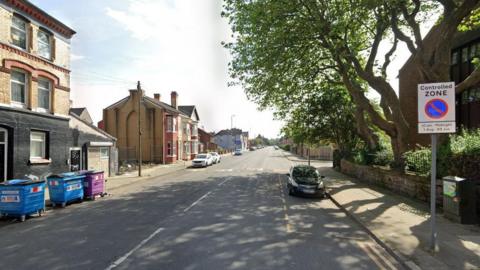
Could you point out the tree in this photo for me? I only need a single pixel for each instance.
(325, 116)
(281, 46)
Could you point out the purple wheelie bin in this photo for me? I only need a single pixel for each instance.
(93, 184)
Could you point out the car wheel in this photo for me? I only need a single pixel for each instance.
(291, 192)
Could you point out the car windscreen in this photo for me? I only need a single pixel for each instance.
(201, 156)
(305, 174)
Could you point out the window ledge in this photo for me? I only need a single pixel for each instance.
(39, 161)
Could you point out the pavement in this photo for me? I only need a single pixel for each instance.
(402, 224)
(233, 215)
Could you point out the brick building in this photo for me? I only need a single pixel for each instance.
(206, 141)
(169, 132)
(465, 48)
(36, 133)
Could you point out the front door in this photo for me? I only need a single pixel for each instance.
(75, 159)
(3, 154)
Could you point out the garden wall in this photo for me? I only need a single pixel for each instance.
(414, 186)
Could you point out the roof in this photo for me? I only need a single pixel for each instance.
(77, 111)
(162, 105)
(233, 131)
(189, 110)
(93, 127)
(462, 38)
(35, 12)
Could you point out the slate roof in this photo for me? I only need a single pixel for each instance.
(77, 111)
(234, 131)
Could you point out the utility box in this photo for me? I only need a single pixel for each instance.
(459, 200)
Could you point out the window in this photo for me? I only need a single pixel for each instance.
(465, 54)
(18, 83)
(104, 153)
(473, 51)
(44, 90)
(195, 147)
(169, 149)
(38, 145)
(454, 58)
(18, 32)
(171, 124)
(194, 130)
(44, 44)
(187, 148)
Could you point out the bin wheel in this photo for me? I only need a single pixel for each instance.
(64, 204)
(103, 194)
(22, 218)
(54, 204)
(41, 212)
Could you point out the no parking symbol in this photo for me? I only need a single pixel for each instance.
(436, 108)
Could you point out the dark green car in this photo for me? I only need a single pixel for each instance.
(305, 180)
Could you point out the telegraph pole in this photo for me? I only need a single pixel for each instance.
(140, 96)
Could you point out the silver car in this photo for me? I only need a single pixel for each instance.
(202, 160)
(216, 157)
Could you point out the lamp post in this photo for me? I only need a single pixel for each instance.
(231, 120)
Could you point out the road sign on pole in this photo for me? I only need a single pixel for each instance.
(436, 108)
(436, 114)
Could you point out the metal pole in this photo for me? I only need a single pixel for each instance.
(308, 155)
(139, 95)
(433, 186)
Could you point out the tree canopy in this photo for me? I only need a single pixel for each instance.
(284, 47)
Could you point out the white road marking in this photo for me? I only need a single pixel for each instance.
(224, 181)
(124, 257)
(197, 201)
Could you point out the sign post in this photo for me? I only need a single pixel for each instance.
(436, 114)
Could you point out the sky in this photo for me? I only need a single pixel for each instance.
(167, 45)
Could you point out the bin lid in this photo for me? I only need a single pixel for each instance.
(21, 182)
(67, 176)
(453, 179)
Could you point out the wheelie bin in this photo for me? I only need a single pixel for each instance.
(93, 184)
(64, 188)
(19, 198)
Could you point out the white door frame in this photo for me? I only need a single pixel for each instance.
(6, 152)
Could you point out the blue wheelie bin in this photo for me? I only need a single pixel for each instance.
(65, 187)
(20, 198)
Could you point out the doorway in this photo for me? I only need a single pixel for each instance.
(75, 159)
(3, 154)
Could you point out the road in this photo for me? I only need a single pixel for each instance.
(233, 215)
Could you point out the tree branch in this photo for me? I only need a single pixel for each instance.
(471, 80)
(388, 56)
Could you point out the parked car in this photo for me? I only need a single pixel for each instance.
(216, 157)
(202, 160)
(237, 152)
(305, 180)
(252, 148)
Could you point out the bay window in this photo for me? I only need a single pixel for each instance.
(171, 124)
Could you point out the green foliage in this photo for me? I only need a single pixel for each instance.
(418, 161)
(459, 156)
(285, 147)
(383, 157)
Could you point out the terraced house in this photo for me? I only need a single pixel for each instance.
(169, 131)
(35, 132)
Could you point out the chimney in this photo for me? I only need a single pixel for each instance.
(174, 99)
(156, 96)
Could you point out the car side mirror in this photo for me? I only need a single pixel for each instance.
(323, 176)
(287, 174)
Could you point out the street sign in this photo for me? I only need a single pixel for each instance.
(436, 108)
